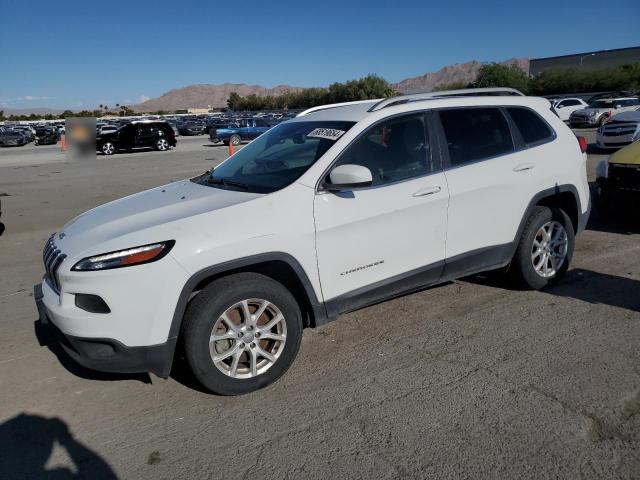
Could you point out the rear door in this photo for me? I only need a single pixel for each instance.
(493, 174)
(376, 241)
(145, 135)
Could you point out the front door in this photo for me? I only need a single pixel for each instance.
(375, 242)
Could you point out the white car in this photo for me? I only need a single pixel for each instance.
(599, 111)
(339, 208)
(566, 106)
(619, 131)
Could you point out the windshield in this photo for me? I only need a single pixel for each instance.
(278, 157)
(602, 104)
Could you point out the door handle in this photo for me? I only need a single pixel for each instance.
(427, 191)
(524, 167)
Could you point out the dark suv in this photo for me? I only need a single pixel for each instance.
(158, 135)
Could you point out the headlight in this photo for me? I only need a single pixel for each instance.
(125, 258)
(592, 114)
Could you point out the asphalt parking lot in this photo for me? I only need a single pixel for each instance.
(468, 380)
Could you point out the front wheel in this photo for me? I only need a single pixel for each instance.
(162, 144)
(108, 148)
(545, 248)
(241, 333)
(235, 140)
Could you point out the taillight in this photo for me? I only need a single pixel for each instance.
(583, 144)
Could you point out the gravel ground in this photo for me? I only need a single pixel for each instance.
(468, 380)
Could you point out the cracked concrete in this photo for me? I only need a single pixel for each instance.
(468, 380)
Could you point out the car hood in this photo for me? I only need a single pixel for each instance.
(627, 116)
(629, 155)
(163, 205)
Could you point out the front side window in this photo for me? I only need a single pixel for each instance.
(475, 133)
(532, 128)
(278, 157)
(393, 150)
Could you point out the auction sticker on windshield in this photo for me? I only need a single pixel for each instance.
(328, 133)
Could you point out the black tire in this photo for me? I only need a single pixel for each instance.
(206, 308)
(108, 148)
(162, 145)
(521, 269)
(235, 140)
(226, 143)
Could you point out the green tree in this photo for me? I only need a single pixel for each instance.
(499, 75)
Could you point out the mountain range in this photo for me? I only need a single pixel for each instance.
(215, 96)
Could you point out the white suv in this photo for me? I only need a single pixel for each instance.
(342, 207)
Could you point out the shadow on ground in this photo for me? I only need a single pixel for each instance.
(27, 441)
(586, 285)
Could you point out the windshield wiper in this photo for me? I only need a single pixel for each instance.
(227, 183)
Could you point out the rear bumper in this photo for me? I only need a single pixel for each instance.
(105, 354)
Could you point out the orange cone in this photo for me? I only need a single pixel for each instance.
(231, 149)
(63, 146)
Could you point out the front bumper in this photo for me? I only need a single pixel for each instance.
(108, 355)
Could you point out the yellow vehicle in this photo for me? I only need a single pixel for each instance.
(620, 173)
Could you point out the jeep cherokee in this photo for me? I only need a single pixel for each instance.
(339, 208)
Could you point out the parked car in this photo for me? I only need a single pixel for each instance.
(619, 130)
(47, 135)
(600, 110)
(28, 131)
(337, 209)
(13, 138)
(136, 135)
(191, 127)
(244, 129)
(564, 107)
(619, 175)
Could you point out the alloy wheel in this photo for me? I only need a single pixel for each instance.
(248, 338)
(549, 250)
(108, 148)
(162, 144)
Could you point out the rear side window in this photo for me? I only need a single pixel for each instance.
(475, 133)
(532, 128)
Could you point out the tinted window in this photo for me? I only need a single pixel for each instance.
(571, 103)
(393, 150)
(532, 128)
(475, 133)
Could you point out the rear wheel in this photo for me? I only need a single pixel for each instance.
(162, 144)
(241, 333)
(108, 148)
(545, 248)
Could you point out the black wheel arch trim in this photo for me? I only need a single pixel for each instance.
(319, 313)
(550, 192)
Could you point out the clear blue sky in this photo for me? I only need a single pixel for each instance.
(78, 54)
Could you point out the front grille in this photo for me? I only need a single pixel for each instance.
(615, 129)
(52, 258)
(625, 176)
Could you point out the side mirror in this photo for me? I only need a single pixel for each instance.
(347, 177)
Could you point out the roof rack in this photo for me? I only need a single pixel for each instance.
(333, 105)
(465, 92)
